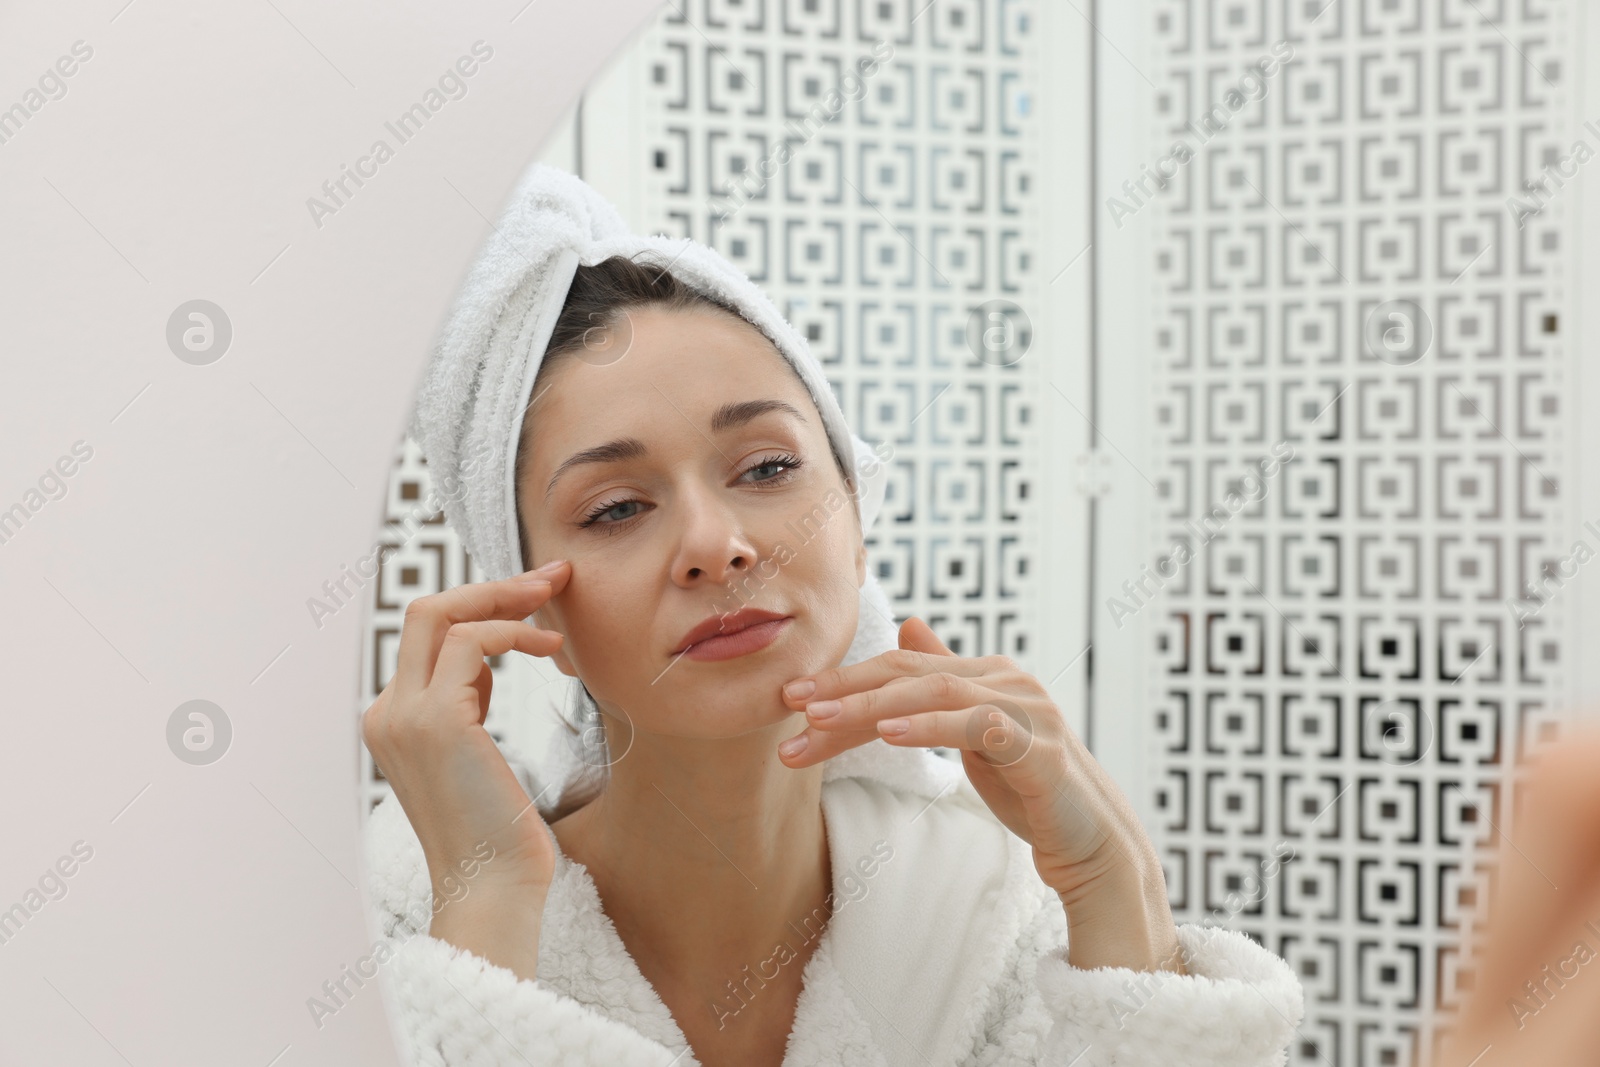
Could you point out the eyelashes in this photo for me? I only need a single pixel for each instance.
(790, 462)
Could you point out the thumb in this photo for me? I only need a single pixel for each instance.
(918, 636)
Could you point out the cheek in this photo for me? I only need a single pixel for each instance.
(841, 536)
(599, 616)
(823, 573)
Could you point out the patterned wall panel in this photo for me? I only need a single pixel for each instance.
(871, 164)
(1360, 412)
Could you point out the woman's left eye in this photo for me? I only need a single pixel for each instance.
(792, 463)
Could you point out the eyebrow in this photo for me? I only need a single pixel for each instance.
(729, 416)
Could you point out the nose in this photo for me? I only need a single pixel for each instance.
(714, 546)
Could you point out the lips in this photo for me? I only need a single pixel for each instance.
(724, 624)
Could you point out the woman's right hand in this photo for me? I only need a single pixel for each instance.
(425, 732)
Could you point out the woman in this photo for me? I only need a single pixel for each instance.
(772, 866)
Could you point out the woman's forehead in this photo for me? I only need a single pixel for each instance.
(692, 386)
(698, 360)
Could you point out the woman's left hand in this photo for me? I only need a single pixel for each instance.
(1029, 768)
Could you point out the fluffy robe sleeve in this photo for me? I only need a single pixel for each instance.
(1239, 1005)
(457, 1009)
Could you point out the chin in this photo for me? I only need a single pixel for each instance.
(732, 704)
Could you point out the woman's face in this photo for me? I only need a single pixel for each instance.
(705, 517)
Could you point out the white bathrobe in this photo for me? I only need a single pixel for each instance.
(945, 949)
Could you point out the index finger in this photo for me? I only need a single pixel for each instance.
(429, 618)
(882, 669)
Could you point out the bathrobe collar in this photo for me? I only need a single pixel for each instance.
(930, 927)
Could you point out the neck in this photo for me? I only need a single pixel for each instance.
(706, 853)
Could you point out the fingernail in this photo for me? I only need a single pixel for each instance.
(549, 567)
(894, 726)
(793, 747)
(823, 709)
(800, 690)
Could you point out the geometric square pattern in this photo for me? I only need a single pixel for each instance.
(1360, 655)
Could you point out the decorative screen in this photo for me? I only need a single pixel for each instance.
(1361, 407)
